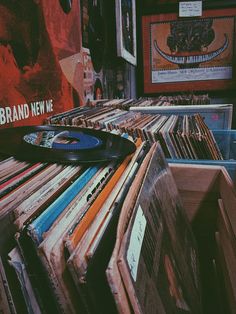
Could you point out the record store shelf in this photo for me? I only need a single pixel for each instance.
(226, 140)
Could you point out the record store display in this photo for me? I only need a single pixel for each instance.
(100, 212)
(79, 237)
(63, 144)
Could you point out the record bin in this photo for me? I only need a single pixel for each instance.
(226, 140)
(216, 116)
(209, 198)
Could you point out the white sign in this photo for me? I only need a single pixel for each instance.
(136, 240)
(192, 74)
(190, 8)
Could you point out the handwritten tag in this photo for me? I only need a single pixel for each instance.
(136, 240)
(190, 8)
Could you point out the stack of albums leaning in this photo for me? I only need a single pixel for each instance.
(96, 238)
(181, 136)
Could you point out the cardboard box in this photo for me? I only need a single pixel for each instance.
(209, 198)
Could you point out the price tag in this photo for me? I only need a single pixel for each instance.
(136, 241)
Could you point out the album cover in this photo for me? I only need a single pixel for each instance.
(43, 223)
(45, 262)
(92, 81)
(159, 220)
(112, 273)
(41, 50)
(26, 191)
(22, 177)
(52, 252)
(39, 279)
(18, 194)
(89, 279)
(89, 216)
(44, 286)
(16, 261)
(11, 167)
(39, 200)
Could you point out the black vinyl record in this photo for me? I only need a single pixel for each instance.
(63, 144)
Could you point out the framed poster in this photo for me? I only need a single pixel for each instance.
(189, 54)
(126, 30)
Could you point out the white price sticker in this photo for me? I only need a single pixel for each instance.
(136, 240)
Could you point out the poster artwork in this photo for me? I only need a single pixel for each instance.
(40, 60)
(192, 50)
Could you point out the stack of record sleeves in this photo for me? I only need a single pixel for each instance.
(100, 237)
(181, 136)
(173, 100)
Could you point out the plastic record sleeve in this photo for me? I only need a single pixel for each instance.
(63, 144)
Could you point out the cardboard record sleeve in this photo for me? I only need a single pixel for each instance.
(157, 231)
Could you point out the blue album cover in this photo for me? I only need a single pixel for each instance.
(42, 223)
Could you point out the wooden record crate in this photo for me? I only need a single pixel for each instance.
(209, 199)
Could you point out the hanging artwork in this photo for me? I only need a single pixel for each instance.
(189, 54)
(126, 30)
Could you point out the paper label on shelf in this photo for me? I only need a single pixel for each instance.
(190, 8)
(136, 240)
